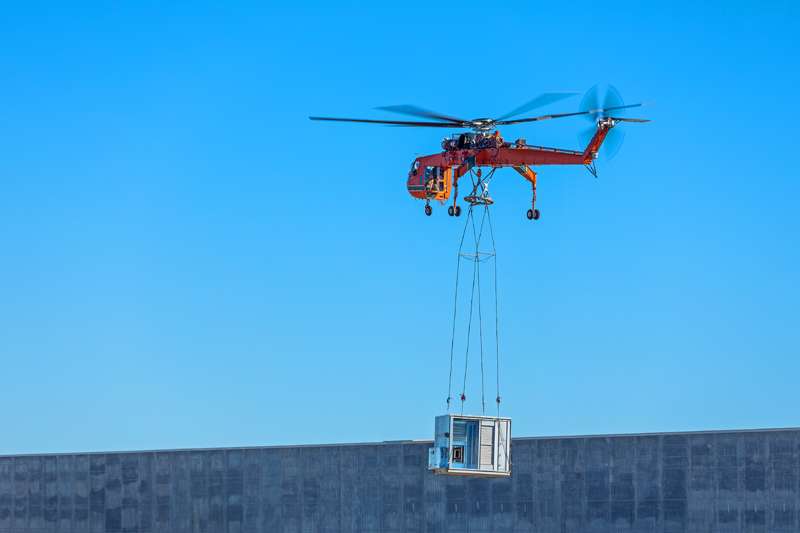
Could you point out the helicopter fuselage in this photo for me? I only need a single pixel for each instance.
(433, 177)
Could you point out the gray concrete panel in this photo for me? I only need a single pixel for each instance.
(735, 481)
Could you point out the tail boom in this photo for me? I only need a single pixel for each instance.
(603, 127)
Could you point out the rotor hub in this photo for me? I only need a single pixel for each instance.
(606, 121)
(482, 124)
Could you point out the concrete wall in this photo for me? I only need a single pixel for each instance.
(687, 482)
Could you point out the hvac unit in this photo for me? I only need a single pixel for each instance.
(471, 445)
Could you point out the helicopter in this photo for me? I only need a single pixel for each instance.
(436, 176)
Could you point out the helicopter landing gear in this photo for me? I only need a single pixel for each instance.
(428, 209)
(455, 209)
(528, 173)
(533, 213)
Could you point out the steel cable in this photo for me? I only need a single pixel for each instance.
(496, 314)
(469, 322)
(455, 310)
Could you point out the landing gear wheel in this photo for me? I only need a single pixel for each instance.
(533, 214)
(458, 210)
(450, 211)
(428, 210)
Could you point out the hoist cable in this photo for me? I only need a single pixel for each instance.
(480, 314)
(455, 309)
(476, 283)
(469, 322)
(496, 314)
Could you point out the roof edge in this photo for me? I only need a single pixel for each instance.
(401, 442)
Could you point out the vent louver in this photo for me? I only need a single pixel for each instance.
(459, 431)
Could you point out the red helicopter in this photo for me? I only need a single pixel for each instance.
(436, 176)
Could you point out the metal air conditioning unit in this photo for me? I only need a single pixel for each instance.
(471, 446)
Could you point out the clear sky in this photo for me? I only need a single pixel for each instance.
(187, 261)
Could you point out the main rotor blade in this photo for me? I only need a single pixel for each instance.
(392, 122)
(540, 101)
(625, 119)
(563, 115)
(416, 111)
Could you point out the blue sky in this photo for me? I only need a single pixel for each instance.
(188, 261)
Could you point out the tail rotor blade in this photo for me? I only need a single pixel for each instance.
(612, 143)
(585, 136)
(591, 101)
(612, 98)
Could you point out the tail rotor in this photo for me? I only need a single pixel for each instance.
(599, 103)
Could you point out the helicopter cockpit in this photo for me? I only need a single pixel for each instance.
(429, 182)
(434, 180)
